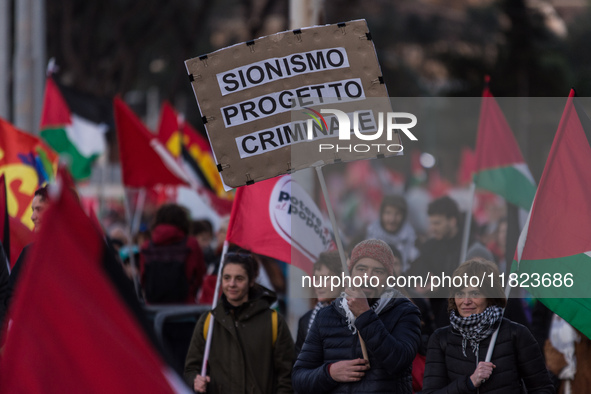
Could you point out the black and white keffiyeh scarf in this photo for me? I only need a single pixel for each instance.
(477, 327)
(377, 306)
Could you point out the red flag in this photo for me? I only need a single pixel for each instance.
(144, 161)
(4, 218)
(467, 166)
(13, 234)
(184, 142)
(26, 163)
(20, 236)
(437, 185)
(168, 130)
(192, 137)
(70, 331)
(277, 218)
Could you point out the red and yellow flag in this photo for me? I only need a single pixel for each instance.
(27, 163)
(177, 136)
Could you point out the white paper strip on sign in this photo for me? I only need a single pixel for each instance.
(280, 102)
(269, 70)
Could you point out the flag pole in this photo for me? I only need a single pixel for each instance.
(467, 224)
(333, 221)
(337, 237)
(129, 216)
(493, 338)
(139, 208)
(213, 306)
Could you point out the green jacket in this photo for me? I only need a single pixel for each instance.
(243, 358)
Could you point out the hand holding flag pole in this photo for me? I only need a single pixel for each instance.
(213, 306)
(276, 234)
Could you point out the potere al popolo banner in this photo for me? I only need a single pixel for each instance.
(262, 101)
(289, 225)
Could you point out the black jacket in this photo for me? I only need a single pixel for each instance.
(302, 331)
(392, 339)
(516, 356)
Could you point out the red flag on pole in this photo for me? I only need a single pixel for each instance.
(169, 132)
(69, 329)
(145, 162)
(194, 151)
(277, 218)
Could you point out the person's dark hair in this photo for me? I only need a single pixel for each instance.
(174, 215)
(445, 206)
(480, 268)
(395, 201)
(246, 260)
(42, 192)
(330, 260)
(201, 226)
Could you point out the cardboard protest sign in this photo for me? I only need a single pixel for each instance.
(259, 99)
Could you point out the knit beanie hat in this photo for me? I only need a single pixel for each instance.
(375, 249)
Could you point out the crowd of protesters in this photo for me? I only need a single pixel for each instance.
(376, 339)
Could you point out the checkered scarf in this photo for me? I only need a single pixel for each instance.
(378, 306)
(477, 327)
(318, 306)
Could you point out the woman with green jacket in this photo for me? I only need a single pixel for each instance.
(252, 350)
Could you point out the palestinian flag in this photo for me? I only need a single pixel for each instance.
(69, 134)
(500, 167)
(73, 325)
(554, 250)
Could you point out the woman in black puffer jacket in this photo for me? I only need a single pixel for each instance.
(455, 357)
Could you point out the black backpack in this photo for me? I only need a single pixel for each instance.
(165, 278)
